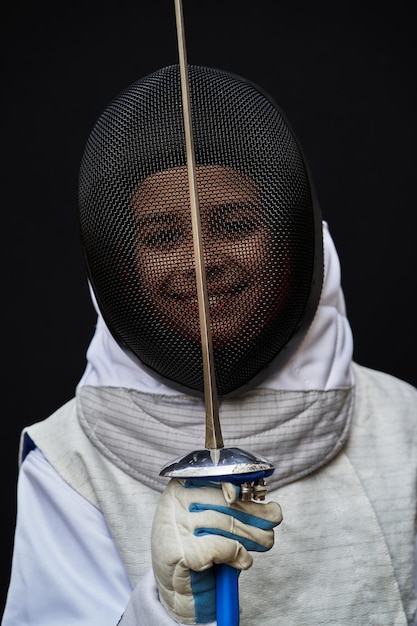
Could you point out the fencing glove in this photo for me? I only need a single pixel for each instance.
(197, 525)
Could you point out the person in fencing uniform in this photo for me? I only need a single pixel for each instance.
(101, 538)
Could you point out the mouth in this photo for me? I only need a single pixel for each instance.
(230, 307)
(216, 298)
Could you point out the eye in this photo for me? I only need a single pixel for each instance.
(234, 220)
(231, 227)
(160, 231)
(162, 237)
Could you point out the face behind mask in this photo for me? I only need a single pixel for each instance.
(261, 229)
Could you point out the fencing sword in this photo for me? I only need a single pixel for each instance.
(214, 462)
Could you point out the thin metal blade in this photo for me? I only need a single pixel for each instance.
(214, 439)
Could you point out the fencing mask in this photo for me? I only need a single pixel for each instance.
(261, 228)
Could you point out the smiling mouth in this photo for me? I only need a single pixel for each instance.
(216, 298)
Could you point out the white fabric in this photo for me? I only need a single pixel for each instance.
(43, 498)
(140, 433)
(144, 608)
(76, 552)
(322, 362)
(74, 556)
(75, 559)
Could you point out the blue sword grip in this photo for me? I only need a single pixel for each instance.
(227, 595)
(227, 577)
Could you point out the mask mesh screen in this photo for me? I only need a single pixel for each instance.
(258, 222)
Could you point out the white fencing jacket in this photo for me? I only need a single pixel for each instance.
(342, 438)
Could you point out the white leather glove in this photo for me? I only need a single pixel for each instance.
(144, 607)
(197, 526)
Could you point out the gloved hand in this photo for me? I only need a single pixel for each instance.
(197, 526)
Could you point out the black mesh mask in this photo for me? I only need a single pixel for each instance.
(261, 228)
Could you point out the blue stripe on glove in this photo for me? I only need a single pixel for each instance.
(243, 517)
(203, 586)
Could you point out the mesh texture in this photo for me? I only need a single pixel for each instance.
(260, 227)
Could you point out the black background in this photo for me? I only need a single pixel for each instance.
(343, 72)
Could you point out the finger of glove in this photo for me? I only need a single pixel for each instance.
(214, 495)
(217, 522)
(203, 551)
(231, 494)
(264, 517)
(230, 491)
(176, 502)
